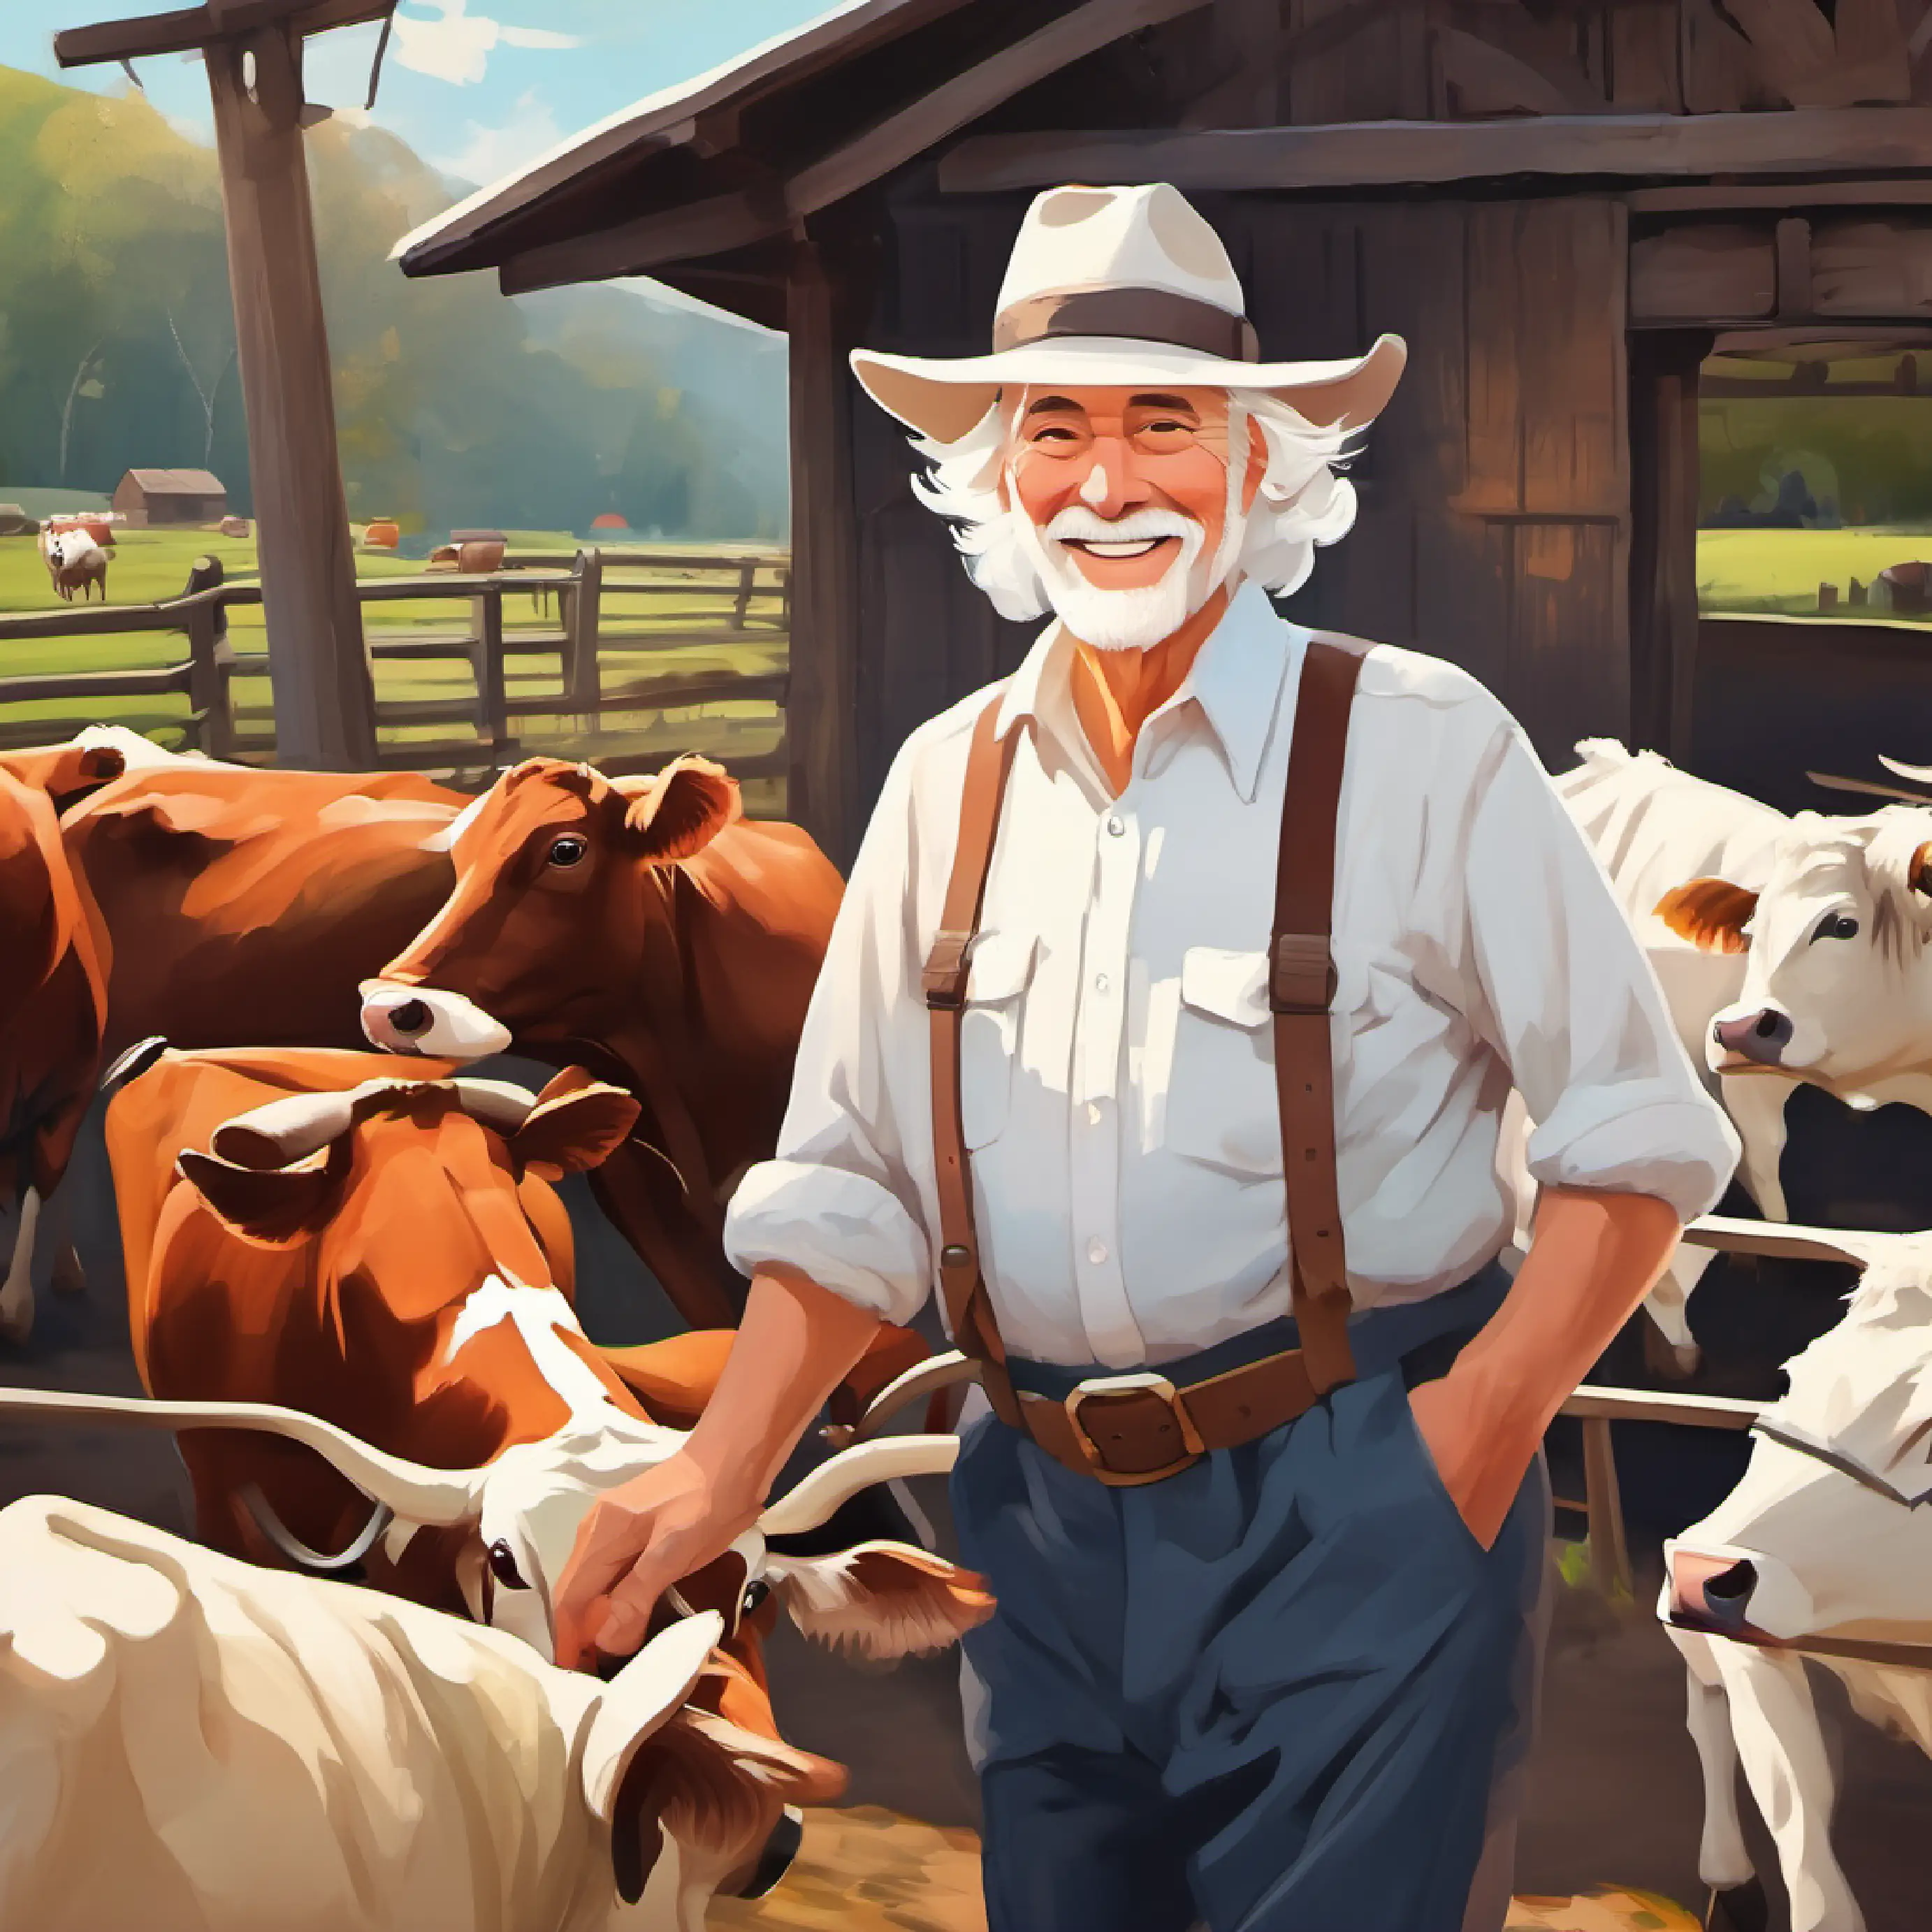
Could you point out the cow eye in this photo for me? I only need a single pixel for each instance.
(503, 1566)
(1837, 925)
(755, 1594)
(567, 851)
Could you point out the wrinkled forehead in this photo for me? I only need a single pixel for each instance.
(1096, 405)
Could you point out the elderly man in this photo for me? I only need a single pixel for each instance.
(1180, 984)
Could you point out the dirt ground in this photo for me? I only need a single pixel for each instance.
(1615, 1798)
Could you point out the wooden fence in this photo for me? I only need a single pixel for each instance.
(742, 601)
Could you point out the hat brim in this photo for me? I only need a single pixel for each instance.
(944, 400)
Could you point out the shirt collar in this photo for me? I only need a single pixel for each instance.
(1236, 680)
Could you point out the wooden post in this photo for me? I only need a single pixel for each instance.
(493, 719)
(582, 605)
(747, 580)
(324, 697)
(1609, 1556)
(1828, 597)
(821, 704)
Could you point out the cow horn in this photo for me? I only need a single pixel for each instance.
(1784, 1240)
(501, 1104)
(437, 1498)
(922, 1379)
(285, 1131)
(1921, 773)
(840, 1477)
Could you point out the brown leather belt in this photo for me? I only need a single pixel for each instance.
(1132, 1429)
(1125, 1429)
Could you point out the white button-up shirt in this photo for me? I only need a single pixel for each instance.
(1118, 1083)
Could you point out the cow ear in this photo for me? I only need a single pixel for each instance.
(1712, 913)
(1918, 873)
(577, 1123)
(880, 1599)
(267, 1207)
(683, 809)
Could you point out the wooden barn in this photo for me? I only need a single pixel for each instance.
(153, 499)
(1565, 206)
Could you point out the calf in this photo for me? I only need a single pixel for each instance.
(190, 1744)
(1822, 1549)
(75, 562)
(646, 927)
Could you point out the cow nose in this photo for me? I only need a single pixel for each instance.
(1763, 1035)
(774, 1861)
(1710, 1592)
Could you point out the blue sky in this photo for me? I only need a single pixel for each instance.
(478, 87)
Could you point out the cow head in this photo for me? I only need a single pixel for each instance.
(1824, 1530)
(1838, 970)
(551, 853)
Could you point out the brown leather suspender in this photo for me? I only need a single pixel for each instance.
(1156, 1429)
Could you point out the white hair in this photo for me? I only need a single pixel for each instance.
(1303, 502)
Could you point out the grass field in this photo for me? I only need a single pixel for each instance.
(150, 565)
(1780, 570)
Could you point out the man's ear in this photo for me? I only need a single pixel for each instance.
(679, 812)
(1712, 913)
(267, 1208)
(577, 1123)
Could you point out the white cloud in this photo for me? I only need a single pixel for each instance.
(490, 153)
(456, 46)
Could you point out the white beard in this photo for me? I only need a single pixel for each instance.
(1116, 620)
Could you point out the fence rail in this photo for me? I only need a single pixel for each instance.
(743, 600)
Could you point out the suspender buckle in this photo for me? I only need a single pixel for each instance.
(1146, 1432)
(944, 977)
(1301, 973)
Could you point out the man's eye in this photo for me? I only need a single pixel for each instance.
(1055, 435)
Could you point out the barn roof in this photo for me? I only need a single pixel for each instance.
(734, 160)
(178, 482)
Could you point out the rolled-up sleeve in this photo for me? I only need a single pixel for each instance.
(1561, 988)
(837, 1201)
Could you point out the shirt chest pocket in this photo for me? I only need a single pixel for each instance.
(996, 979)
(1221, 1105)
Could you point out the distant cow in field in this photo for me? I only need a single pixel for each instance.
(646, 927)
(1824, 1546)
(75, 562)
(190, 1744)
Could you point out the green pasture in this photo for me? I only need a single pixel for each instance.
(1780, 570)
(642, 643)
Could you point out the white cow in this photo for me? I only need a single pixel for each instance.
(75, 561)
(1822, 1540)
(191, 1744)
(1789, 948)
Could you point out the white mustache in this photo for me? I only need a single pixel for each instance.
(1077, 524)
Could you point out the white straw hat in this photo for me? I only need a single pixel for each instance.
(1116, 287)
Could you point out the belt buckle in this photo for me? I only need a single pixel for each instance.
(1193, 1448)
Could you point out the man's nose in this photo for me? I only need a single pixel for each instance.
(1112, 483)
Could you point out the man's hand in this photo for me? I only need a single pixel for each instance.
(1480, 1456)
(637, 1541)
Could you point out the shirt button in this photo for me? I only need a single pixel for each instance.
(1092, 1113)
(1096, 1252)
(1100, 982)
(1114, 825)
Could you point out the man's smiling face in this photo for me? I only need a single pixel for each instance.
(1123, 491)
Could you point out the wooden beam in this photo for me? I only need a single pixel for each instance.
(1491, 80)
(324, 703)
(1778, 195)
(1400, 153)
(192, 28)
(965, 97)
(703, 228)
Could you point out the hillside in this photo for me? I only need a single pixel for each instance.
(454, 407)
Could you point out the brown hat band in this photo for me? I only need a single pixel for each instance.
(1143, 315)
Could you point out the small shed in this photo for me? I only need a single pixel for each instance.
(149, 499)
(1565, 206)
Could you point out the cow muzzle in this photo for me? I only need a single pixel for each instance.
(1712, 1593)
(1760, 1037)
(424, 1019)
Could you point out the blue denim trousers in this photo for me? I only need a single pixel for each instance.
(1270, 1694)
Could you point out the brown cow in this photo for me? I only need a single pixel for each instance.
(316, 1235)
(53, 977)
(646, 928)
